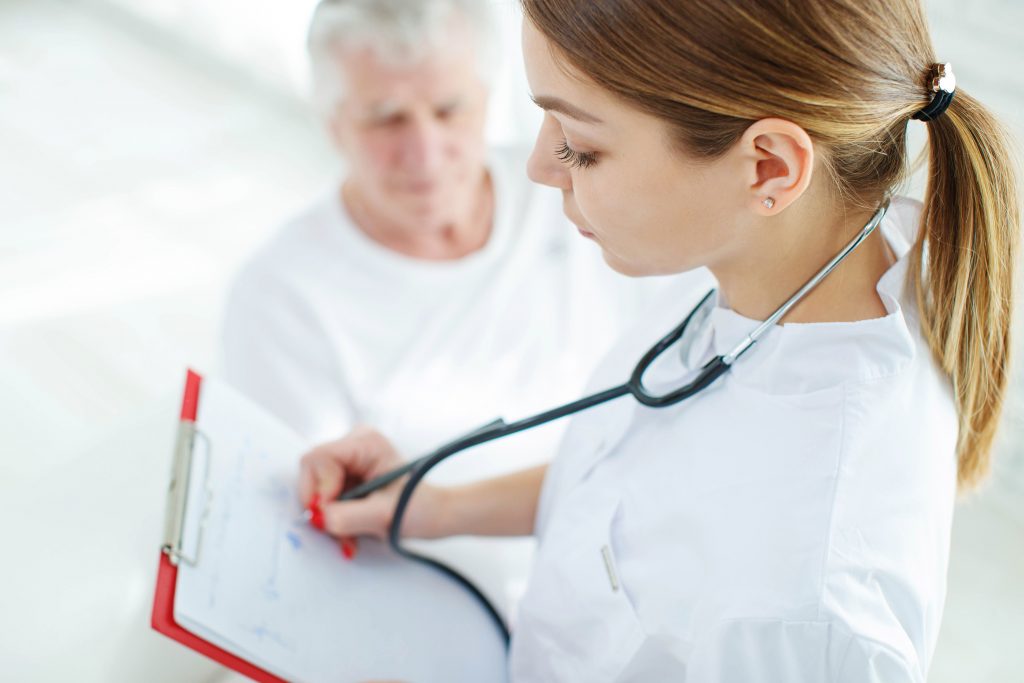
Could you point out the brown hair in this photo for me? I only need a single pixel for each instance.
(851, 73)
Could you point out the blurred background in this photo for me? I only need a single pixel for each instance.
(146, 147)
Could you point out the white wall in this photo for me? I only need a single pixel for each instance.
(267, 45)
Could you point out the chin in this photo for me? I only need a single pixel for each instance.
(425, 208)
(627, 268)
(647, 268)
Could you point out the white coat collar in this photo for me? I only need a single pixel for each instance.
(803, 357)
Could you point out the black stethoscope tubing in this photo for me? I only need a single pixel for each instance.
(714, 369)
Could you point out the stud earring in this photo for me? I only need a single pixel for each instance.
(768, 203)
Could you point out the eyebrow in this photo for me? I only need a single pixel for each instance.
(555, 104)
(384, 109)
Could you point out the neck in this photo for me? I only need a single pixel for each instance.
(802, 242)
(462, 230)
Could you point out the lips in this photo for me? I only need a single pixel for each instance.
(578, 222)
(570, 213)
(420, 187)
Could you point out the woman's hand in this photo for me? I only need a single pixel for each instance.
(362, 455)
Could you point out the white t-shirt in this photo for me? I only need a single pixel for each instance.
(790, 523)
(326, 329)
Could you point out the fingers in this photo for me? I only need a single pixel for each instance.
(307, 482)
(321, 472)
(330, 478)
(365, 517)
(359, 456)
(368, 452)
(327, 470)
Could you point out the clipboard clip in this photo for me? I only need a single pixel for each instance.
(179, 492)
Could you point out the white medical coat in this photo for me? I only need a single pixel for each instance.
(791, 523)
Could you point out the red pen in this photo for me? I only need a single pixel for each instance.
(348, 548)
(315, 516)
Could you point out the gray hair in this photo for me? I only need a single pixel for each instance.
(398, 31)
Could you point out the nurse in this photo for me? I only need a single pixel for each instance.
(791, 522)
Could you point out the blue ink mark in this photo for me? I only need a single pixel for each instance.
(262, 633)
(294, 539)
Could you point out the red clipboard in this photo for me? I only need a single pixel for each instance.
(167, 574)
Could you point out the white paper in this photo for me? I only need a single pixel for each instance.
(272, 590)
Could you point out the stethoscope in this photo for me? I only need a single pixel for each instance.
(704, 377)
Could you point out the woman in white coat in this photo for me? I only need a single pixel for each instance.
(792, 521)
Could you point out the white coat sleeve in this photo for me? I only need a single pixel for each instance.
(770, 650)
(274, 351)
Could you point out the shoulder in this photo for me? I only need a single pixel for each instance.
(297, 244)
(904, 219)
(279, 267)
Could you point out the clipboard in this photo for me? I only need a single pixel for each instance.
(182, 551)
(172, 553)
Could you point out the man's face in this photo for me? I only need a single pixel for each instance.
(413, 134)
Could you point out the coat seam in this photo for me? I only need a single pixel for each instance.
(827, 551)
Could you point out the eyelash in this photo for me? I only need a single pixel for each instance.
(574, 159)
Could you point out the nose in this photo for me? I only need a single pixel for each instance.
(543, 166)
(422, 146)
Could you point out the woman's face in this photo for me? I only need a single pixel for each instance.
(651, 209)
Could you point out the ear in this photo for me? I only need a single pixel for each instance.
(778, 158)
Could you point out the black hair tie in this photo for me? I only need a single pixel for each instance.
(942, 86)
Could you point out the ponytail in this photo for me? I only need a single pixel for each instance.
(964, 291)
